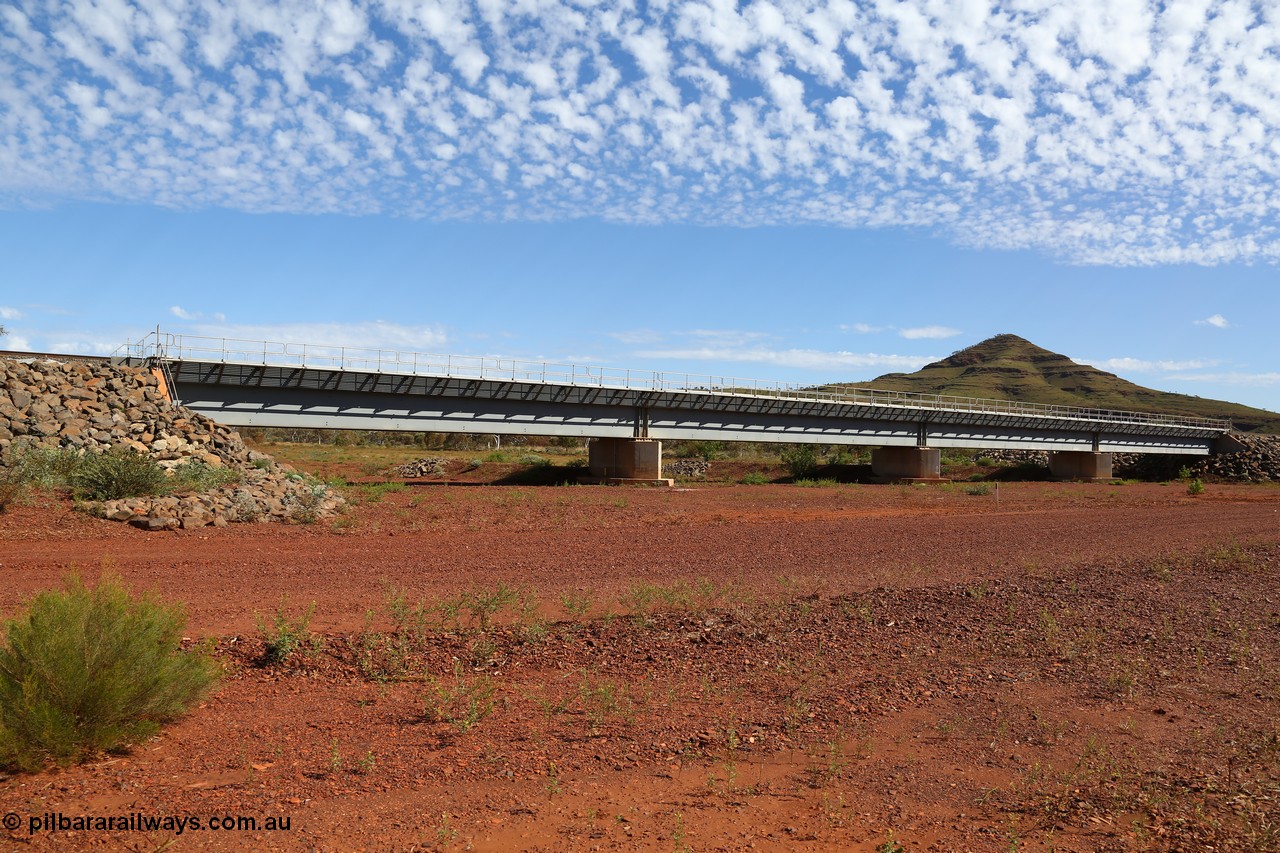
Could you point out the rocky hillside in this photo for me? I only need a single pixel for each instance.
(94, 407)
(1008, 367)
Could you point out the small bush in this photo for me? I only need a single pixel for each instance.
(87, 670)
(1195, 487)
(303, 505)
(801, 460)
(978, 490)
(12, 489)
(753, 478)
(117, 474)
(196, 475)
(710, 451)
(43, 467)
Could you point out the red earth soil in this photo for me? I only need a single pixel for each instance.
(1068, 667)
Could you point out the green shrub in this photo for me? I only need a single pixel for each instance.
(303, 505)
(43, 467)
(712, 450)
(801, 460)
(753, 478)
(117, 474)
(196, 475)
(87, 670)
(983, 489)
(1195, 487)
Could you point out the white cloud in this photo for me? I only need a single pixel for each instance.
(1233, 378)
(1140, 365)
(17, 343)
(637, 336)
(363, 335)
(183, 314)
(798, 358)
(7, 313)
(1100, 133)
(929, 333)
(725, 337)
(1217, 321)
(861, 328)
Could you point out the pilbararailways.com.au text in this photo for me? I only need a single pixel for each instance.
(139, 822)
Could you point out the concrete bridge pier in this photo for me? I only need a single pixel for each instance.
(626, 460)
(1087, 465)
(907, 463)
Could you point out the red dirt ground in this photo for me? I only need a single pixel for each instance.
(1073, 667)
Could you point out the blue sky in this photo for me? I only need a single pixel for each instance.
(806, 192)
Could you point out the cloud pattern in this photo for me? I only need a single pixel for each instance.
(1099, 132)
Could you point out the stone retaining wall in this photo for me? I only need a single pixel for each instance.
(94, 407)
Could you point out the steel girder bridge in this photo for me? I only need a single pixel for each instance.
(628, 412)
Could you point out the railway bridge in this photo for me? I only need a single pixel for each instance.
(628, 413)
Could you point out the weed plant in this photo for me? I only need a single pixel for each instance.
(285, 635)
(88, 670)
(575, 604)
(753, 478)
(463, 704)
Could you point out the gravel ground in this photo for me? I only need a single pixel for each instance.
(1075, 667)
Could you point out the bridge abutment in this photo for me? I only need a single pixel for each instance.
(625, 459)
(1085, 465)
(907, 463)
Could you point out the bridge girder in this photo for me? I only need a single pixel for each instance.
(245, 395)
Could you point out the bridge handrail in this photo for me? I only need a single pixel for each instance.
(180, 347)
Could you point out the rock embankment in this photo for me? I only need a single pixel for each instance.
(431, 466)
(1257, 461)
(95, 407)
(686, 469)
